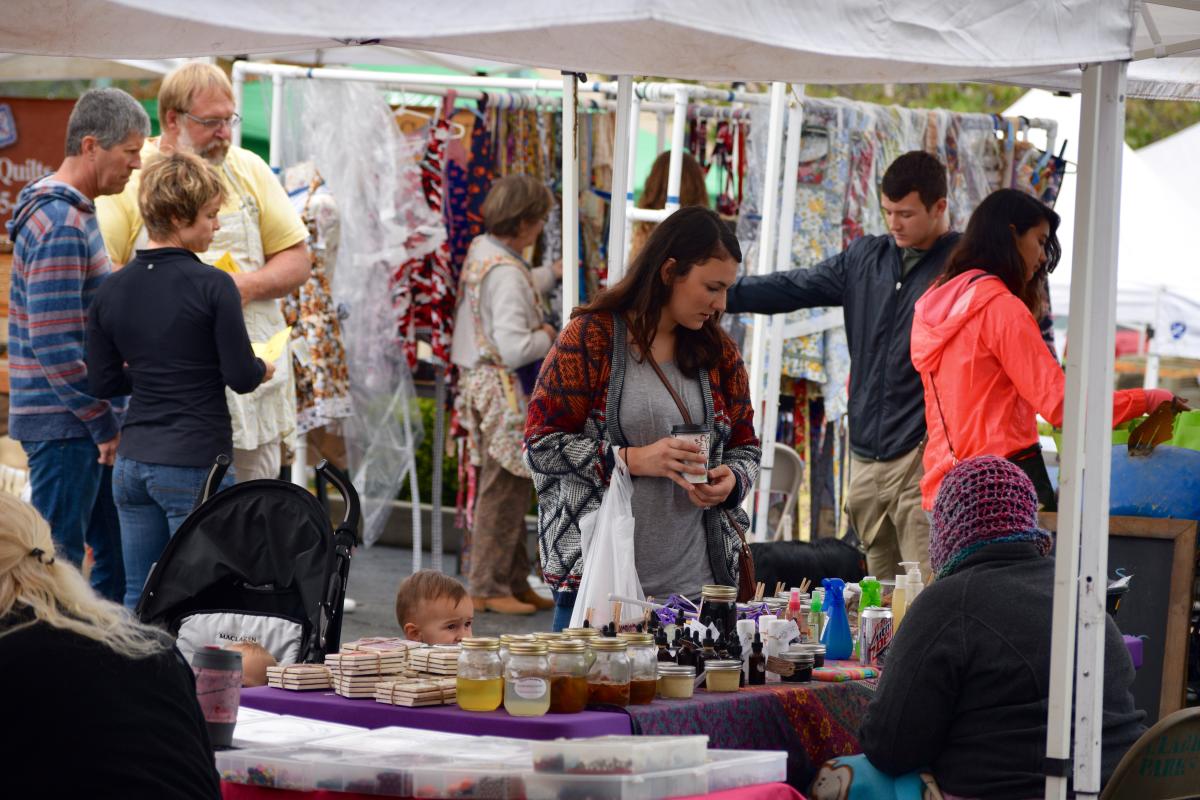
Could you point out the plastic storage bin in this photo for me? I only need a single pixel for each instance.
(733, 769)
(283, 729)
(649, 786)
(473, 780)
(619, 755)
(396, 739)
(303, 768)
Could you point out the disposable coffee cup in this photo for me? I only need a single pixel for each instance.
(699, 435)
(219, 690)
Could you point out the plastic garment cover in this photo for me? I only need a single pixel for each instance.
(347, 131)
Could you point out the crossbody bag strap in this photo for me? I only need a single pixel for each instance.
(941, 416)
(687, 418)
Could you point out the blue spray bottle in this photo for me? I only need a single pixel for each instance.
(836, 637)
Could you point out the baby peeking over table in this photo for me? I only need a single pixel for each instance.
(434, 608)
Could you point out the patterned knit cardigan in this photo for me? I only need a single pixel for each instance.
(573, 428)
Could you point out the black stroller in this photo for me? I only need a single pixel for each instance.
(256, 562)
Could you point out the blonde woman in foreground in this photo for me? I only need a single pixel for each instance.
(101, 705)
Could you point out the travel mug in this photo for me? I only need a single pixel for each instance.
(219, 690)
(699, 435)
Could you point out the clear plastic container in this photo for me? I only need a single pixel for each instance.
(474, 779)
(733, 769)
(651, 786)
(285, 730)
(396, 739)
(302, 768)
(619, 755)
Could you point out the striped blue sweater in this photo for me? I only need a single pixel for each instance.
(59, 262)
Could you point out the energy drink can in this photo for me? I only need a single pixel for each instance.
(874, 635)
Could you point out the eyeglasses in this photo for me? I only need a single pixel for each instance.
(213, 123)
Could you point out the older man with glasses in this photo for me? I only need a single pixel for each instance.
(261, 242)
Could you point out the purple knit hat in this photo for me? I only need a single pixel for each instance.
(981, 501)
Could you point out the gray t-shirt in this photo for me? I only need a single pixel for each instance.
(670, 546)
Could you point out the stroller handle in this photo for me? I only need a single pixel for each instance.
(346, 489)
(215, 476)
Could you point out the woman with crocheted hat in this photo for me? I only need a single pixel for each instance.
(966, 684)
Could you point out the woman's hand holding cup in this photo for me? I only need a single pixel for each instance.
(721, 484)
(667, 458)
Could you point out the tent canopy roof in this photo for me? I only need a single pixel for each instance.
(852, 41)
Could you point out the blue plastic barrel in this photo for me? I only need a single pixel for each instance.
(1165, 483)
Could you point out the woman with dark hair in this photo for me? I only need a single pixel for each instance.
(600, 394)
(986, 371)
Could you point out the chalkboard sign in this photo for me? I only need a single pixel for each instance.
(1161, 555)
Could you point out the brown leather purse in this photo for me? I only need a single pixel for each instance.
(745, 577)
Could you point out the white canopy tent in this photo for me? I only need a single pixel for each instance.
(17, 67)
(857, 41)
(1174, 158)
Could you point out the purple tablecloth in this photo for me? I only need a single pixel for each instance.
(1134, 645)
(330, 707)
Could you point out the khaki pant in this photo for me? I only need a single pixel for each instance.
(261, 462)
(884, 506)
(499, 560)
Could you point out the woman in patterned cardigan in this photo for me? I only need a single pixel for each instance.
(597, 396)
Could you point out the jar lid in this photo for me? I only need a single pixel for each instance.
(636, 638)
(799, 659)
(546, 636)
(481, 643)
(718, 592)
(581, 633)
(676, 671)
(690, 428)
(604, 643)
(722, 665)
(808, 647)
(568, 646)
(509, 638)
(528, 649)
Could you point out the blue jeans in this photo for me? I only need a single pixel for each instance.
(564, 606)
(73, 492)
(153, 500)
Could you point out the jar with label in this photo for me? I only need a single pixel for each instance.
(723, 675)
(719, 604)
(568, 676)
(643, 664)
(675, 681)
(527, 680)
(802, 666)
(609, 675)
(506, 641)
(480, 683)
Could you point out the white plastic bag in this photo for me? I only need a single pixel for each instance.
(608, 561)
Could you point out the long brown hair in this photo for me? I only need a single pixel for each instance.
(690, 235)
(692, 189)
(990, 244)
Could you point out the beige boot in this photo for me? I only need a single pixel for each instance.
(534, 599)
(508, 605)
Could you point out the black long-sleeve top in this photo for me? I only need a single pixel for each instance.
(168, 329)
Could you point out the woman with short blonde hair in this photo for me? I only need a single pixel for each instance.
(168, 330)
(89, 683)
(501, 334)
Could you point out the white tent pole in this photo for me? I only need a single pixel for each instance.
(783, 261)
(570, 196)
(1152, 359)
(635, 114)
(239, 94)
(620, 180)
(1100, 310)
(766, 249)
(660, 132)
(678, 132)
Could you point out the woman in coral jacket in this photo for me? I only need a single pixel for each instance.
(975, 340)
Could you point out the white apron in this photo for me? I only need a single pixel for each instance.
(268, 414)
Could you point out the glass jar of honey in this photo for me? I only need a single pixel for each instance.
(480, 683)
(643, 665)
(609, 675)
(568, 676)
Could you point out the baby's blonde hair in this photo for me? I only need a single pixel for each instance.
(55, 591)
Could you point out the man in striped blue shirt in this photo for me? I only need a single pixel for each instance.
(59, 261)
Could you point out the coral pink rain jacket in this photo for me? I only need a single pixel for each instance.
(977, 343)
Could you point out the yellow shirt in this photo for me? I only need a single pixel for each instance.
(280, 223)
